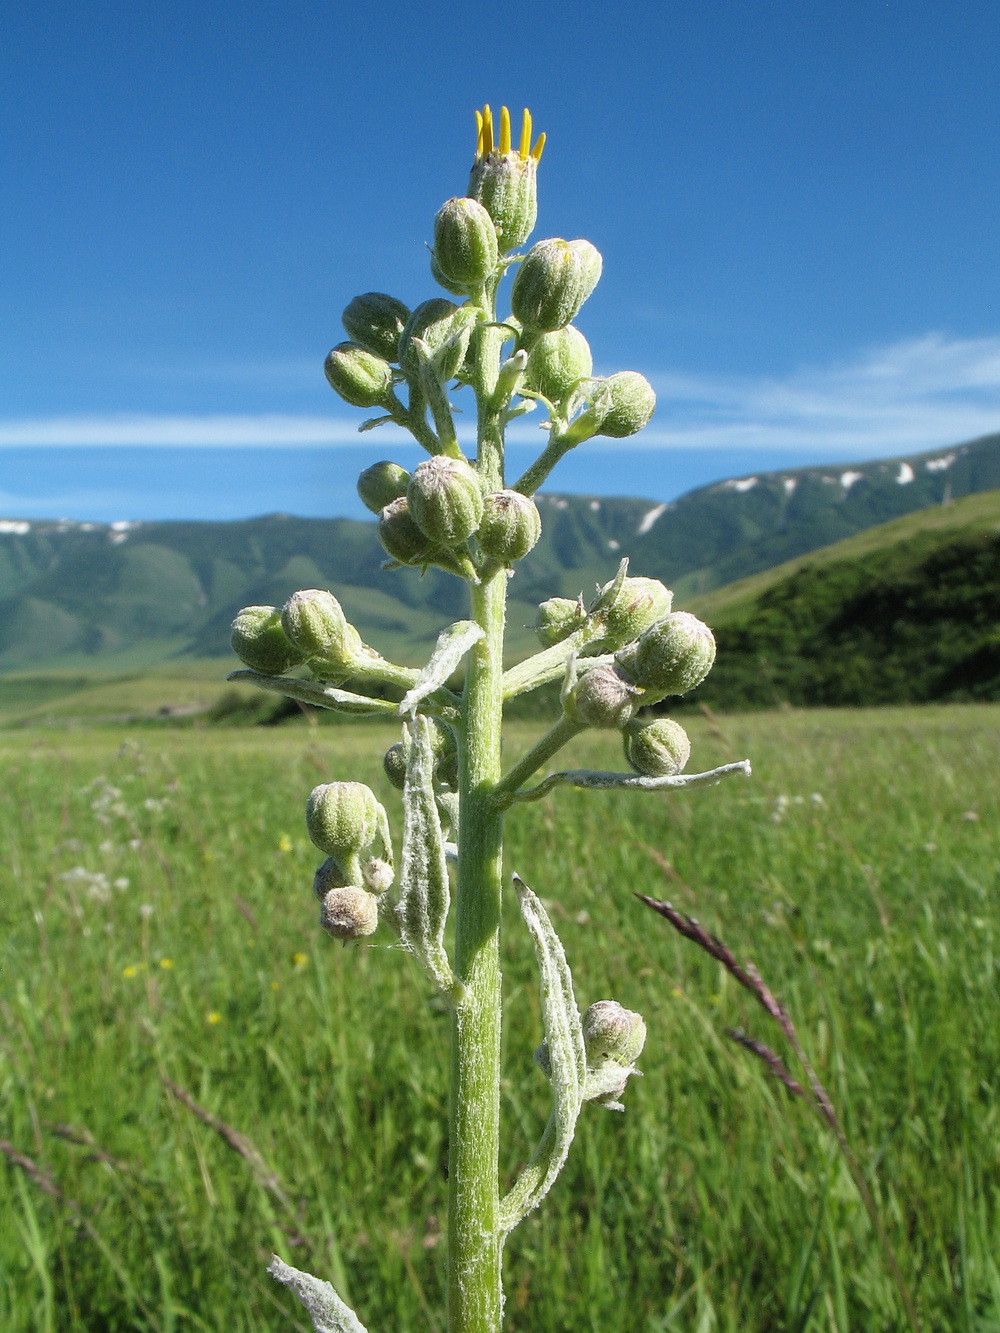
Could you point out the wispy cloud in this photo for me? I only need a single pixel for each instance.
(909, 396)
(901, 398)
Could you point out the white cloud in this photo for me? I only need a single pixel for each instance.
(903, 398)
(913, 395)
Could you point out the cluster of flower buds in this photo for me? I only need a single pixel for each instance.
(346, 821)
(429, 516)
(659, 653)
(310, 628)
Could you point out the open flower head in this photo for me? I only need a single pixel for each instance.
(503, 177)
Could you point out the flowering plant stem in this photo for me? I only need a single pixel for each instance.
(474, 1239)
(456, 513)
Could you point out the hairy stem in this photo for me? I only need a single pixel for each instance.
(475, 1239)
(553, 741)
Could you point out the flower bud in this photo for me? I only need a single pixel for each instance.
(375, 321)
(259, 640)
(638, 604)
(657, 749)
(377, 874)
(315, 623)
(328, 876)
(465, 243)
(672, 656)
(612, 1033)
(382, 483)
(503, 178)
(342, 818)
(632, 404)
(437, 274)
(445, 499)
(445, 328)
(359, 376)
(401, 537)
(394, 765)
(557, 618)
(601, 698)
(558, 361)
(510, 526)
(553, 282)
(349, 913)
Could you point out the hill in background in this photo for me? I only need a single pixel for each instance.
(84, 597)
(907, 612)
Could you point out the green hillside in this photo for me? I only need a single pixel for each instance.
(908, 612)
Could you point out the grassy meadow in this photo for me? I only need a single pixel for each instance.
(165, 990)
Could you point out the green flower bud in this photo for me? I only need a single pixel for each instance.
(382, 483)
(401, 537)
(437, 274)
(672, 656)
(445, 749)
(465, 243)
(359, 376)
(445, 758)
(558, 618)
(632, 404)
(394, 765)
(510, 526)
(445, 499)
(342, 818)
(503, 179)
(558, 361)
(349, 913)
(315, 623)
(445, 328)
(601, 698)
(375, 321)
(259, 640)
(638, 604)
(657, 749)
(612, 1033)
(553, 282)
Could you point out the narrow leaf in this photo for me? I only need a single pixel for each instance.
(424, 894)
(329, 1314)
(374, 422)
(566, 1059)
(452, 645)
(585, 777)
(312, 692)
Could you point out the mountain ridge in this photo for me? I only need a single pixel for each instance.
(88, 593)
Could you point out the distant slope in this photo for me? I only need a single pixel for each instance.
(734, 528)
(908, 612)
(75, 596)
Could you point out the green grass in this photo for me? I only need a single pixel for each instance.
(858, 868)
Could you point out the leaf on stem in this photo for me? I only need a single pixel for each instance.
(452, 645)
(329, 1314)
(311, 692)
(567, 1063)
(424, 895)
(585, 777)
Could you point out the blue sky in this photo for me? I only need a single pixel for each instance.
(796, 202)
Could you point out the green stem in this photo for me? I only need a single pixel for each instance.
(474, 1236)
(475, 1240)
(553, 740)
(532, 478)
